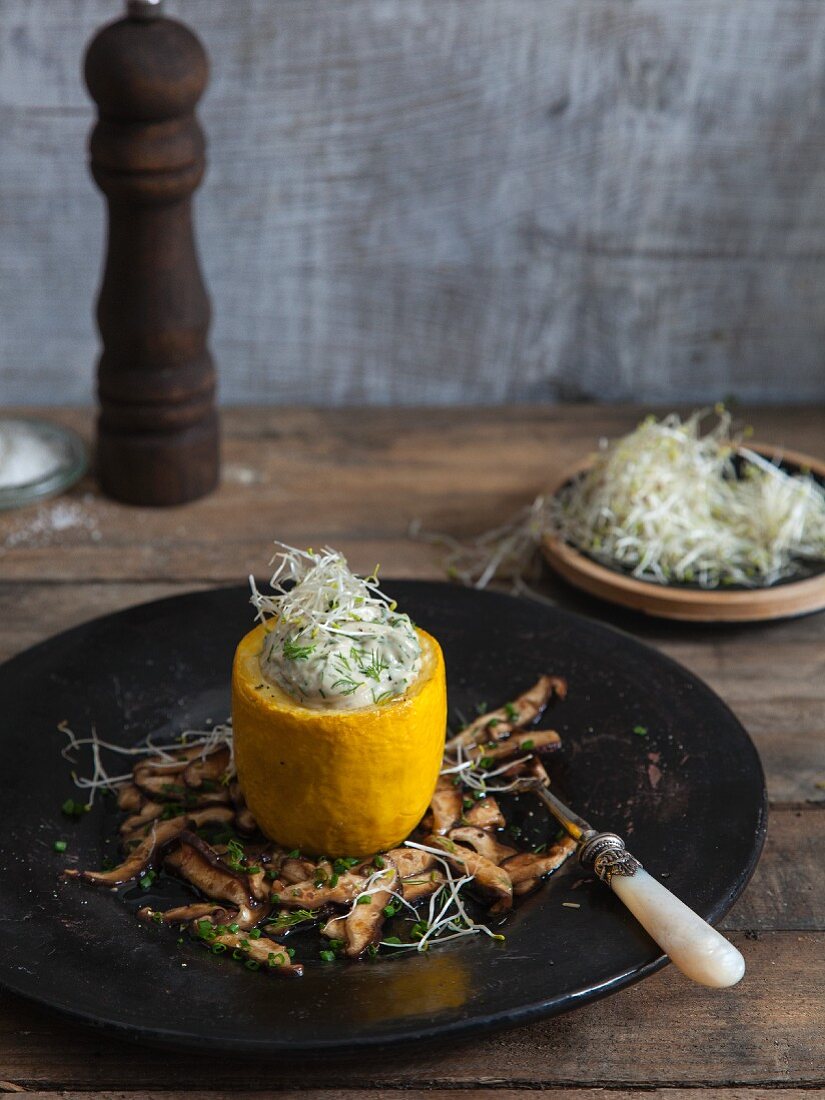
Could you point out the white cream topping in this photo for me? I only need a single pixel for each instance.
(336, 641)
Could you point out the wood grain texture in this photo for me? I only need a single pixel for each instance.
(787, 890)
(491, 1092)
(453, 200)
(355, 478)
(766, 1032)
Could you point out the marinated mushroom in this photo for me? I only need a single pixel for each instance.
(306, 895)
(362, 925)
(209, 768)
(532, 741)
(482, 842)
(149, 811)
(181, 914)
(446, 806)
(267, 953)
(491, 880)
(296, 870)
(140, 859)
(499, 723)
(129, 798)
(529, 866)
(200, 864)
(208, 815)
(421, 885)
(410, 861)
(485, 813)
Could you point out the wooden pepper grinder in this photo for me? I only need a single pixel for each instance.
(157, 433)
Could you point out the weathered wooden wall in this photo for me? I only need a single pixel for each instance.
(454, 200)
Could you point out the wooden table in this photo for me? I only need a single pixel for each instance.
(355, 480)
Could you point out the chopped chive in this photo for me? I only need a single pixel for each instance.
(74, 809)
(328, 956)
(640, 730)
(60, 845)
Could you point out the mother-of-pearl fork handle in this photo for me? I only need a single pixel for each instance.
(693, 946)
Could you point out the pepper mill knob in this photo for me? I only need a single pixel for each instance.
(157, 432)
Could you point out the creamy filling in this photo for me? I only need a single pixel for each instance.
(358, 662)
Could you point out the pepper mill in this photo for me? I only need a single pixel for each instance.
(157, 431)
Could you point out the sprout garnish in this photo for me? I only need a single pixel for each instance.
(336, 641)
(668, 504)
(447, 917)
(208, 740)
(476, 776)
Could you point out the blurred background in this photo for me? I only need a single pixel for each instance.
(452, 201)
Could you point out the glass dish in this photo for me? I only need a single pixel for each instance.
(72, 462)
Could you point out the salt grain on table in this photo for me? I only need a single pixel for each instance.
(50, 521)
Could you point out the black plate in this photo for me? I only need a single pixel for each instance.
(164, 665)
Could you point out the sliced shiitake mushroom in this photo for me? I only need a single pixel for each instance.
(501, 722)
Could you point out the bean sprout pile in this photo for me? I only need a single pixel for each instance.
(668, 504)
(316, 591)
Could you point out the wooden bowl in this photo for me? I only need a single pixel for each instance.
(672, 601)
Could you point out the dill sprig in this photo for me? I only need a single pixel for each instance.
(295, 652)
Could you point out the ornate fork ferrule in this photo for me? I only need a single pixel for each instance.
(607, 855)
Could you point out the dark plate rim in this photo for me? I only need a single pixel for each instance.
(181, 1039)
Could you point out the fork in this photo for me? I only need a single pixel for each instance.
(694, 947)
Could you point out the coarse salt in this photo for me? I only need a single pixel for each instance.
(25, 456)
